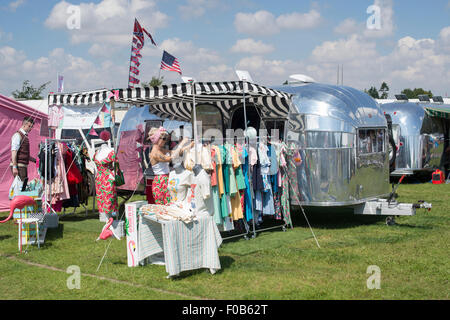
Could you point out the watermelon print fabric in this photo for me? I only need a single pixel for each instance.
(105, 186)
(160, 189)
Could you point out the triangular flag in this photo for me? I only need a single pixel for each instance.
(105, 108)
(98, 121)
(93, 132)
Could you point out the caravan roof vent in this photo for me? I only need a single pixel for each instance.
(401, 97)
(438, 99)
(423, 97)
(301, 78)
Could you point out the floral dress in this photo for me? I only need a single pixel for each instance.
(105, 185)
(160, 189)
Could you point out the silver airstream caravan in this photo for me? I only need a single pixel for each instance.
(419, 138)
(340, 132)
(342, 135)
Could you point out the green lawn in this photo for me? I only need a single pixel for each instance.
(413, 257)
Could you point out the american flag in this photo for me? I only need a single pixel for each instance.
(170, 63)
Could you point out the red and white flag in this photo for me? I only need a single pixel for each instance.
(136, 47)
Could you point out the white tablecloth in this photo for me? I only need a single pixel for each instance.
(186, 246)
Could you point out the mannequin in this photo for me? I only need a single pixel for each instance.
(103, 152)
(197, 169)
(105, 159)
(179, 168)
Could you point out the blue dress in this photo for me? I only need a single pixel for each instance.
(247, 194)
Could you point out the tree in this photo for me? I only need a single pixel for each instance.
(155, 82)
(384, 89)
(373, 92)
(413, 94)
(29, 92)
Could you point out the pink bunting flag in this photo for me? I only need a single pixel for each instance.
(93, 132)
(98, 121)
(105, 108)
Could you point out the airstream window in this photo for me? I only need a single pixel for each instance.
(325, 139)
(371, 140)
(347, 140)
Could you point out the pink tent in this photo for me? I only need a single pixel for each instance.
(12, 114)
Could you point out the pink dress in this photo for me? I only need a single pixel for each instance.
(105, 185)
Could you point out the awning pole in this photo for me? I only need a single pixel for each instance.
(245, 110)
(247, 144)
(195, 122)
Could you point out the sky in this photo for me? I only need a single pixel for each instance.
(405, 43)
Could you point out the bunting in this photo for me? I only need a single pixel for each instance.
(136, 47)
(103, 119)
(93, 132)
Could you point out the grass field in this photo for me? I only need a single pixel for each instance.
(413, 257)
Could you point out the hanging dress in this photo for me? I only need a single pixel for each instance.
(247, 192)
(215, 187)
(284, 172)
(105, 185)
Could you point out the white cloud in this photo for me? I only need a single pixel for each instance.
(220, 72)
(5, 36)
(444, 39)
(348, 26)
(108, 22)
(251, 46)
(196, 8)
(297, 20)
(412, 63)
(16, 4)
(387, 20)
(79, 73)
(352, 48)
(387, 24)
(264, 23)
(186, 51)
(102, 51)
(270, 72)
(258, 23)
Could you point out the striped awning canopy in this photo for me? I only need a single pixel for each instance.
(175, 101)
(442, 111)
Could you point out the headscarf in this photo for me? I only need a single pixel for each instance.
(105, 135)
(155, 136)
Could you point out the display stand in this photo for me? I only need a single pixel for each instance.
(185, 246)
(48, 182)
(255, 231)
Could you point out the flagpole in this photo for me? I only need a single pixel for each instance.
(129, 68)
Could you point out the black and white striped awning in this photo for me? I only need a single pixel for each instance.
(176, 100)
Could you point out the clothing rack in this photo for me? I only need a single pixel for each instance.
(254, 230)
(48, 182)
(251, 232)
